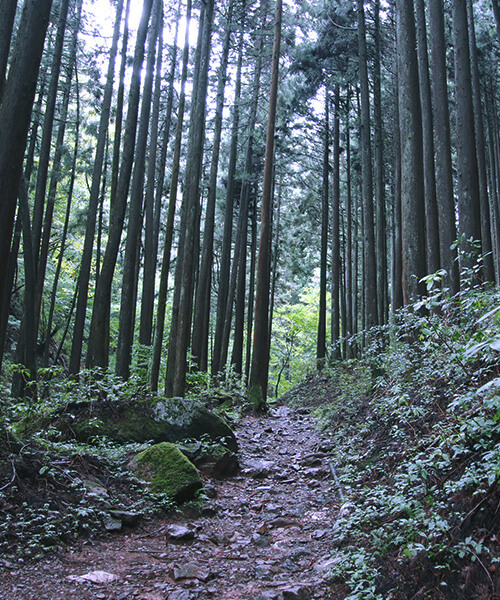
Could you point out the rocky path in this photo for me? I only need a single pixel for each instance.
(265, 536)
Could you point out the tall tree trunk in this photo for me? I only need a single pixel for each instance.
(48, 125)
(431, 213)
(88, 244)
(134, 229)
(65, 229)
(237, 286)
(469, 218)
(274, 270)
(369, 263)
(380, 232)
(154, 191)
(120, 95)
(56, 168)
(396, 240)
(98, 346)
(180, 330)
(325, 201)
(169, 229)
(336, 258)
(442, 145)
(26, 385)
(15, 113)
(486, 243)
(412, 176)
(494, 180)
(225, 261)
(349, 237)
(202, 302)
(259, 373)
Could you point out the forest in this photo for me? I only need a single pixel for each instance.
(242, 205)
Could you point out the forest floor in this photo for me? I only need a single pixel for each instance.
(265, 535)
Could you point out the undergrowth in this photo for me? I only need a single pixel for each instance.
(416, 443)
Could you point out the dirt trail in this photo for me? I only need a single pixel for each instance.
(266, 535)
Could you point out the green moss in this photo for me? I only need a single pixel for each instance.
(168, 470)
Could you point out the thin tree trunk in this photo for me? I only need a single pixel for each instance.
(98, 346)
(48, 126)
(397, 300)
(202, 302)
(56, 170)
(486, 242)
(274, 271)
(154, 189)
(325, 201)
(225, 263)
(64, 235)
(26, 385)
(469, 218)
(349, 242)
(15, 113)
(412, 176)
(88, 244)
(180, 330)
(236, 291)
(259, 373)
(380, 210)
(169, 230)
(442, 144)
(115, 163)
(134, 229)
(431, 213)
(336, 261)
(369, 262)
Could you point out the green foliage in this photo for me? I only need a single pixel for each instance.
(293, 348)
(417, 446)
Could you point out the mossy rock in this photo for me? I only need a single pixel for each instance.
(168, 471)
(137, 420)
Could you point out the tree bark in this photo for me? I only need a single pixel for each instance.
(46, 142)
(15, 113)
(380, 210)
(431, 213)
(325, 200)
(442, 146)
(336, 254)
(469, 218)
(486, 242)
(169, 228)
(180, 330)
(225, 260)
(88, 244)
(202, 302)
(412, 177)
(259, 373)
(370, 297)
(135, 217)
(115, 162)
(98, 346)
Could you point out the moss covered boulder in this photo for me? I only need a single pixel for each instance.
(153, 419)
(168, 471)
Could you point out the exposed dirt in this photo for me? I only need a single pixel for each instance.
(265, 535)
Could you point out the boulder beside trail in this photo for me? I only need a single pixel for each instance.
(168, 471)
(153, 419)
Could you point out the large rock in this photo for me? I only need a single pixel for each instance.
(138, 420)
(168, 471)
